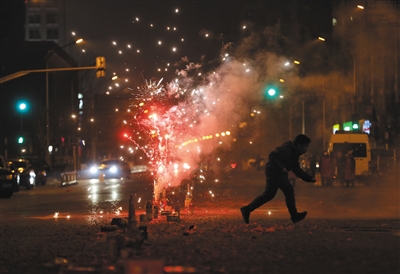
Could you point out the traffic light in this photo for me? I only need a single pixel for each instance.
(20, 140)
(271, 91)
(100, 67)
(22, 107)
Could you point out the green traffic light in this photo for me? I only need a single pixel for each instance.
(271, 92)
(22, 107)
(20, 140)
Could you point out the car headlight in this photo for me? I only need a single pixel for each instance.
(113, 169)
(93, 169)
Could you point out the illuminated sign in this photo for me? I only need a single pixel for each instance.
(366, 126)
(336, 127)
(347, 126)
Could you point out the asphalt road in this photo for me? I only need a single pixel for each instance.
(53, 229)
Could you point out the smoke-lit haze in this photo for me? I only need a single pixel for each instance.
(176, 121)
(216, 102)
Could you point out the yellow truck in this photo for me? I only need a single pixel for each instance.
(343, 141)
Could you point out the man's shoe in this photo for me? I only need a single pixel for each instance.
(298, 217)
(245, 214)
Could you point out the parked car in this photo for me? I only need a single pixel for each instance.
(8, 180)
(24, 171)
(41, 168)
(111, 168)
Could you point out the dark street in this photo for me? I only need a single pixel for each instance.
(53, 229)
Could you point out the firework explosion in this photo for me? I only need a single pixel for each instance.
(165, 122)
(175, 124)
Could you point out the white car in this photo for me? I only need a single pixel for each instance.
(111, 168)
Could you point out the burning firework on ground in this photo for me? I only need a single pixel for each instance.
(165, 120)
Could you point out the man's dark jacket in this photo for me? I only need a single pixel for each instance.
(283, 159)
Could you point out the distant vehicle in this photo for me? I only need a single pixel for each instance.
(24, 171)
(41, 168)
(257, 163)
(111, 168)
(343, 141)
(8, 180)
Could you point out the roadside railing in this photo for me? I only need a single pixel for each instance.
(68, 178)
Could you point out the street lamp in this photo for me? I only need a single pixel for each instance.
(48, 55)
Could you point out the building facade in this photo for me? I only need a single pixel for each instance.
(45, 21)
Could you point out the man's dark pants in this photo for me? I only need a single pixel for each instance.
(272, 185)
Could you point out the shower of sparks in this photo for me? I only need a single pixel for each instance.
(165, 121)
(175, 124)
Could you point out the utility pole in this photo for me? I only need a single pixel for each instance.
(290, 121)
(355, 85)
(303, 126)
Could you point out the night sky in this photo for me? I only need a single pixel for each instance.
(150, 38)
(193, 29)
(204, 26)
